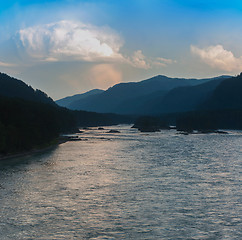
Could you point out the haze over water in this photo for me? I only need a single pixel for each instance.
(127, 185)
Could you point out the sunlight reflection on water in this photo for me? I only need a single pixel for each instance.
(126, 185)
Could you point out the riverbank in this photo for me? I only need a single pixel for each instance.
(62, 139)
(46, 147)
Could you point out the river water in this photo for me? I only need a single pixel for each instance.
(126, 185)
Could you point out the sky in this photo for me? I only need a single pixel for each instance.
(67, 47)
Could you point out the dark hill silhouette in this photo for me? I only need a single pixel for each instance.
(183, 99)
(139, 105)
(227, 95)
(65, 102)
(25, 125)
(221, 110)
(29, 119)
(14, 88)
(124, 95)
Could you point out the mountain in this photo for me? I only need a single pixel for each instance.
(27, 125)
(132, 95)
(14, 88)
(183, 99)
(67, 101)
(222, 109)
(29, 119)
(227, 95)
(139, 105)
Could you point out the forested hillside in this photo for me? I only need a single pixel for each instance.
(222, 109)
(25, 125)
(29, 119)
(11, 87)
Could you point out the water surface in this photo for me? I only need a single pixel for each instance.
(127, 185)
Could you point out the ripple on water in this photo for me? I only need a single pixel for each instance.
(133, 186)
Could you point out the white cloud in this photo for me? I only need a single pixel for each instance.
(68, 40)
(139, 60)
(76, 41)
(163, 62)
(218, 57)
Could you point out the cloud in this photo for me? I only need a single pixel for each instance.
(218, 57)
(68, 40)
(163, 62)
(139, 60)
(75, 41)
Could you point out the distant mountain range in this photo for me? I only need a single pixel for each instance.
(154, 96)
(68, 102)
(30, 119)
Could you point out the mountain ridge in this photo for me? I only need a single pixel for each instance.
(64, 102)
(29, 119)
(183, 99)
(15, 88)
(127, 98)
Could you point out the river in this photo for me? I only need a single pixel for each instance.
(126, 185)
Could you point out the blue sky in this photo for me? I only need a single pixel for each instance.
(68, 47)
